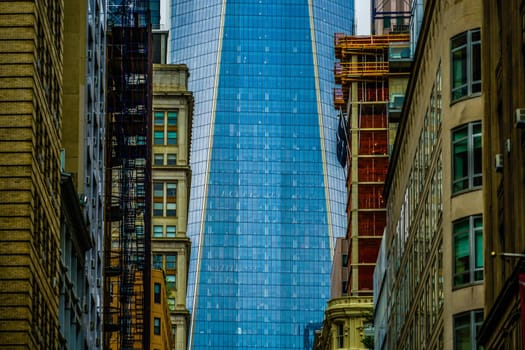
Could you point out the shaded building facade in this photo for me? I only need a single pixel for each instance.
(503, 174)
(83, 138)
(267, 197)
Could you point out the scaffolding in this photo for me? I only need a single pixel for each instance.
(367, 66)
(127, 257)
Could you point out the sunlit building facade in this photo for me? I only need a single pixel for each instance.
(267, 191)
(433, 260)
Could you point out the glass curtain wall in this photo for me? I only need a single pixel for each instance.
(268, 196)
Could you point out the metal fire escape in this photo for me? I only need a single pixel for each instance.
(127, 255)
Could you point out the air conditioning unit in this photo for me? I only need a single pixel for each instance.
(520, 118)
(88, 180)
(99, 283)
(90, 54)
(499, 162)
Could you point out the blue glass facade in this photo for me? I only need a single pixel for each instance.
(268, 196)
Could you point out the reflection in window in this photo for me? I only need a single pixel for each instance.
(157, 261)
(466, 64)
(156, 293)
(466, 328)
(468, 250)
(466, 157)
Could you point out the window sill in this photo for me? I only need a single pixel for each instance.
(464, 98)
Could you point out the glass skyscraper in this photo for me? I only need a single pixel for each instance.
(268, 194)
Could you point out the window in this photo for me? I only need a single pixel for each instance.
(165, 128)
(156, 326)
(466, 64)
(340, 335)
(171, 209)
(158, 209)
(172, 159)
(173, 334)
(171, 282)
(164, 197)
(157, 231)
(158, 189)
(466, 327)
(466, 157)
(171, 304)
(158, 159)
(171, 262)
(156, 293)
(157, 261)
(171, 231)
(172, 137)
(158, 138)
(171, 189)
(468, 250)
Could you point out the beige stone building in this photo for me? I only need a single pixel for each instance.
(172, 120)
(31, 48)
(434, 287)
(504, 172)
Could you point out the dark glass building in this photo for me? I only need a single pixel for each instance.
(268, 194)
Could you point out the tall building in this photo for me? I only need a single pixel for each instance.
(504, 171)
(432, 295)
(171, 175)
(267, 197)
(83, 124)
(31, 66)
(372, 73)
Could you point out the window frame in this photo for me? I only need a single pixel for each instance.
(471, 46)
(165, 127)
(156, 325)
(473, 327)
(471, 164)
(156, 293)
(473, 234)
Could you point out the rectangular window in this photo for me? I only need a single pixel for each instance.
(171, 189)
(165, 128)
(158, 209)
(171, 209)
(171, 231)
(164, 197)
(171, 282)
(156, 293)
(466, 64)
(172, 159)
(158, 138)
(171, 304)
(157, 261)
(340, 335)
(158, 159)
(157, 231)
(466, 328)
(158, 190)
(466, 157)
(156, 326)
(159, 118)
(172, 137)
(172, 118)
(468, 250)
(171, 262)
